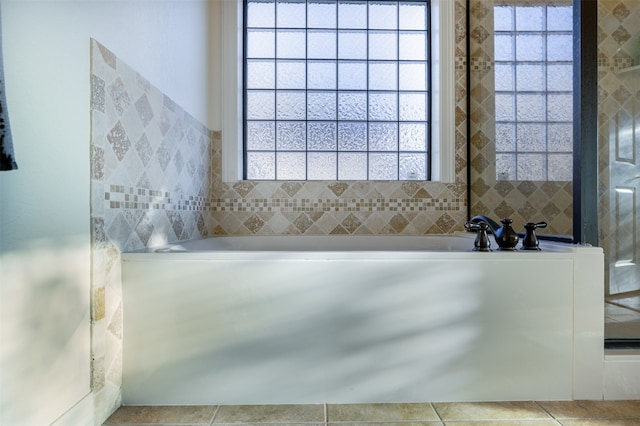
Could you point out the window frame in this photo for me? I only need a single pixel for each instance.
(443, 107)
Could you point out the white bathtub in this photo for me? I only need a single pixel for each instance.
(260, 320)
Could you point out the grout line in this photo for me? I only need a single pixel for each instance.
(546, 411)
(215, 413)
(433, 407)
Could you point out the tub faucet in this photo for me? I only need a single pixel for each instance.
(506, 238)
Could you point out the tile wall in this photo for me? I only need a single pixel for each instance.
(150, 182)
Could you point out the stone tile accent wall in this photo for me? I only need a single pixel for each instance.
(150, 178)
(523, 201)
(618, 48)
(347, 207)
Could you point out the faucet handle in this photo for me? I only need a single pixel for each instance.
(530, 241)
(481, 242)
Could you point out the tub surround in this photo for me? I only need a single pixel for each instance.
(321, 320)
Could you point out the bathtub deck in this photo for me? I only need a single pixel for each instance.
(264, 327)
(621, 413)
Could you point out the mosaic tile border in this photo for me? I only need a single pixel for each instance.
(342, 205)
(132, 198)
(136, 198)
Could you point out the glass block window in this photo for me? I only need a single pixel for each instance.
(534, 85)
(337, 90)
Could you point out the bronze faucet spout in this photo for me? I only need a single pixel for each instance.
(506, 238)
(493, 225)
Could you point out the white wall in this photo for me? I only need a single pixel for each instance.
(44, 206)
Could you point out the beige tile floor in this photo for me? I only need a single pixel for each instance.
(523, 413)
(622, 318)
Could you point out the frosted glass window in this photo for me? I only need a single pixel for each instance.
(321, 75)
(321, 44)
(503, 18)
(261, 74)
(530, 18)
(383, 136)
(291, 165)
(413, 107)
(531, 78)
(412, 166)
(505, 77)
(529, 47)
(413, 137)
(383, 166)
(291, 136)
(322, 166)
(352, 14)
(352, 45)
(261, 105)
(322, 136)
(291, 13)
(261, 14)
(383, 15)
(383, 45)
(321, 106)
(352, 106)
(534, 84)
(352, 166)
(383, 76)
(261, 135)
(413, 76)
(412, 46)
(291, 105)
(352, 136)
(413, 15)
(291, 44)
(322, 14)
(352, 75)
(291, 74)
(337, 90)
(383, 107)
(260, 43)
(261, 165)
